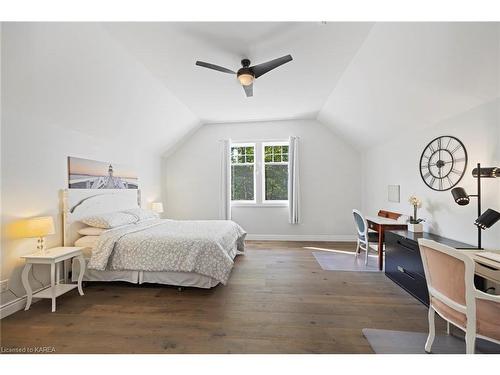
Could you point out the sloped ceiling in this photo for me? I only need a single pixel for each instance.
(411, 76)
(365, 81)
(298, 89)
(74, 75)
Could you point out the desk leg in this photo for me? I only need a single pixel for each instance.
(380, 248)
(26, 284)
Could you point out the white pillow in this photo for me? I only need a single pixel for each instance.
(142, 214)
(87, 241)
(91, 231)
(110, 220)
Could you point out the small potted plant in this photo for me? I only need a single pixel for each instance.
(415, 224)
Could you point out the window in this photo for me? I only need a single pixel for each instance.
(275, 172)
(243, 173)
(259, 173)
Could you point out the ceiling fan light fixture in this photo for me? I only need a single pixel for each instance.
(246, 79)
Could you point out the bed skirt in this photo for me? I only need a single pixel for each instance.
(184, 279)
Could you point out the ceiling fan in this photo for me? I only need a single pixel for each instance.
(247, 74)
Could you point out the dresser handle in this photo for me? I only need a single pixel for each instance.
(402, 270)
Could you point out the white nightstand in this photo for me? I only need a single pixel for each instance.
(54, 257)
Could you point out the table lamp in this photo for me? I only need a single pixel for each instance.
(33, 227)
(157, 207)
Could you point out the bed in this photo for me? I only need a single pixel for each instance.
(174, 252)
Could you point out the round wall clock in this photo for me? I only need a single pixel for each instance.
(443, 163)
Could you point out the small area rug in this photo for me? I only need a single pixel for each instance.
(343, 261)
(400, 342)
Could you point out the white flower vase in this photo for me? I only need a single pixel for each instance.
(416, 228)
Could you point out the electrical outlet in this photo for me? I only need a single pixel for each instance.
(4, 285)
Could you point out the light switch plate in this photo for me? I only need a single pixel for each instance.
(393, 193)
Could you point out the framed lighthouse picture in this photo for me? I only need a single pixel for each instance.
(92, 174)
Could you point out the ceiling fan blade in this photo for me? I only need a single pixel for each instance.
(248, 90)
(263, 68)
(214, 67)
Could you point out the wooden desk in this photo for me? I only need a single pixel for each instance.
(381, 224)
(486, 268)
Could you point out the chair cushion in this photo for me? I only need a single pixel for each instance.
(372, 237)
(449, 313)
(487, 316)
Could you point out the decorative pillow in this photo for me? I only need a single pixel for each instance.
(87, 241)
(142, 214)
(110, 220)
(91, 231)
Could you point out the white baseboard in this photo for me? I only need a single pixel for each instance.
(302, 237)
(18, 304)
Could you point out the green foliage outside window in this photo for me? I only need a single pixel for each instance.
(275, 173)
(242, 173)
(276, 182)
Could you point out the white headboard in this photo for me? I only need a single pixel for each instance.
(80, 203)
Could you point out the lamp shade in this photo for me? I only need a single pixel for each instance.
(487, 219)
(488, 172)
(157, 207)
(33, 227)
(460, 196)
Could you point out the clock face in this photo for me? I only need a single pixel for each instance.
(443, 163)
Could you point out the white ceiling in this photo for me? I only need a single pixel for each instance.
(321, 53)
(367, 82)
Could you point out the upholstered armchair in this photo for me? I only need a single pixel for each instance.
(450, 279)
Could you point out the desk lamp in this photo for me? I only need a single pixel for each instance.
(489, 217)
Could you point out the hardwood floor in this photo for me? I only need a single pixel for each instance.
(278, 300)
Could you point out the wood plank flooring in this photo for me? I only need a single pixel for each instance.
(278, 300)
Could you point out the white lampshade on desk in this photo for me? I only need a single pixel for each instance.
(33, 227)
(157, 207)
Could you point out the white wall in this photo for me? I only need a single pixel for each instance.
(329, 177)
(396, 161)
(70, 90)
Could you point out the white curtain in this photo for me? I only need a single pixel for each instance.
(225, 180)
(293, 181)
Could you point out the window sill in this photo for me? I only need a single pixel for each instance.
(259, 205)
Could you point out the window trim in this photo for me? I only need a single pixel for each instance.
(259, 174)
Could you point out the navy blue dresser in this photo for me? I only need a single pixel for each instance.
(403, 263)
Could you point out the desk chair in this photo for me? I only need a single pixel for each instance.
(364, 235)
(450, 279)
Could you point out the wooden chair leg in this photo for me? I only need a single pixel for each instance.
(470, 342)
(432, 330)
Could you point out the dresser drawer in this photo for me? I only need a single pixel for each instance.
(405, 253)
(403, 265)
(413, 283)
